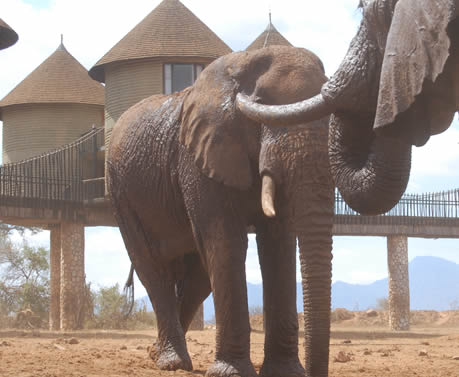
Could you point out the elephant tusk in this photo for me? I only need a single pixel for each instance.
(268, 191)
(286, 115)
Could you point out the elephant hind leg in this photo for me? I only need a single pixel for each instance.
(196, 288)
(158, 277)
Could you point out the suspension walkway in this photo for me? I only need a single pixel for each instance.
(68, 184)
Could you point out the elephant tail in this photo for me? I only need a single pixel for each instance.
(128, 292)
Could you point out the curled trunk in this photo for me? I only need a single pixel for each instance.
(370, 172)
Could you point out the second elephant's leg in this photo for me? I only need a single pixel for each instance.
(277, 253)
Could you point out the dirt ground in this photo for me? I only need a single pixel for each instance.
(361, 345)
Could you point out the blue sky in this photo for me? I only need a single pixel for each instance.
(92, 27)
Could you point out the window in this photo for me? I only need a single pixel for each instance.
(180, 76)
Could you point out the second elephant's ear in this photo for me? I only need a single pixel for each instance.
(416, 53)
(212, 130)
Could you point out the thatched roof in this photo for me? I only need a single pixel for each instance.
(270, 37)
(59, 79)
(8, 36)
(170, 30)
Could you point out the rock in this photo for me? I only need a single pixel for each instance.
(341, 314)
(123, 347)
(347, 341)
(425, 343)
(455, 357)
(73, 341)
(5, 344)
(59, 347)
(371, 313)
(342, 357)
(423, 353)
(367, 352)
(140, 348)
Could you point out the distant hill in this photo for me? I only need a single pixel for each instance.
(434, 285)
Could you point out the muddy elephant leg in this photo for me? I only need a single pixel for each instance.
(196, 288)
(170, 351)
(277, 249)
(221, 237)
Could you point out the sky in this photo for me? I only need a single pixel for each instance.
(92, 27)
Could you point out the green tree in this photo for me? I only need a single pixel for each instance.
(111, 311)
(24, 278)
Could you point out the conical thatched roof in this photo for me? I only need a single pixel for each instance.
(170, 30)
(270, 37)
(59, 79)
(8, 36)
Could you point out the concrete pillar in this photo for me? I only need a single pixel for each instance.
(198, 320)
(55, 278)
(72, 275)
(399, 284)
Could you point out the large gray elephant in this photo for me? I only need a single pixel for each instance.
(397, 86)
(8, 36)
(188, 174)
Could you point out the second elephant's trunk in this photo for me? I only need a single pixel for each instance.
(370, 172)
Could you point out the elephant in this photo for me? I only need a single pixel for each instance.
(397, 86)
(188, 174)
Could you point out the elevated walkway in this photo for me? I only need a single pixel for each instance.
(62, 185)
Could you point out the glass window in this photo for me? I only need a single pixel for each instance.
(180, 76)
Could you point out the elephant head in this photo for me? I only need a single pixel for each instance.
(397, 85)
(224, 142)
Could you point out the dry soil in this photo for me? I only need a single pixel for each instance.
(361, 345)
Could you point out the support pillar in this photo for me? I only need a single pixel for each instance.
(72, 276)
(198, 320)
(55, 278)
(399, 284)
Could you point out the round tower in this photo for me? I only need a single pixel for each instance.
(53, 106)
(164, 53)
(8, 36)
(270, 37)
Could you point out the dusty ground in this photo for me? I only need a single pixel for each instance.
(364, 342)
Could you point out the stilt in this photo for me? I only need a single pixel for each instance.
(72, 275)
(55, 278)
(399, 285)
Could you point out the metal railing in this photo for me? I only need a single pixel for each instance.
(412, 209)
(53, 179)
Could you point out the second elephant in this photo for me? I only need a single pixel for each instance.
(186, 173)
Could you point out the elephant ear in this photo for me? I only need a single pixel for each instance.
(211, 130)
(416, 52)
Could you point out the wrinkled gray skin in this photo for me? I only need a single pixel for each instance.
(397, 86)
(185, 175)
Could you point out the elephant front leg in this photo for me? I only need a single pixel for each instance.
(227, 274)
(277, 249)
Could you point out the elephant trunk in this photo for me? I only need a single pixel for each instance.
(314, 229)
(371, 172)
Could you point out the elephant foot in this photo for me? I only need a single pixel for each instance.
(282, 368)
(238, 368)
(168, 358)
